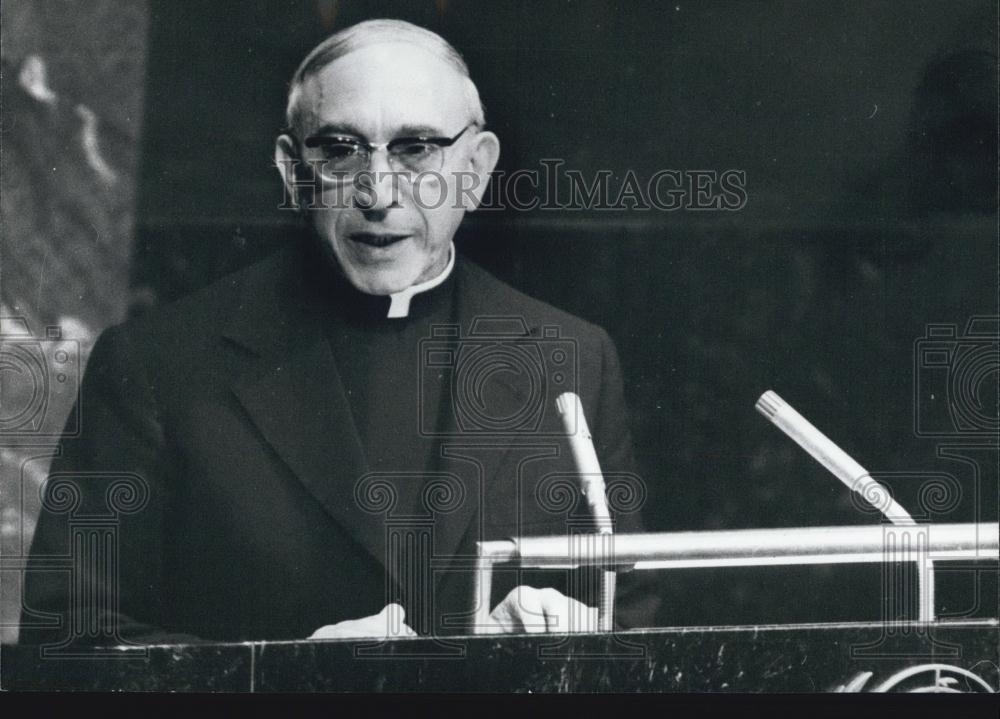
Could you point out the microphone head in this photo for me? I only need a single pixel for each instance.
(570, 410)
(566, 403)
(769, 404)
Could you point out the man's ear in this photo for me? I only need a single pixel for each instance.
(286, 158)
(483, 159)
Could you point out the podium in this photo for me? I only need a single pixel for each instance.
(945, 656)
(937, 655)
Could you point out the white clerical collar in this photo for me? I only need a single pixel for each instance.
(400, 305)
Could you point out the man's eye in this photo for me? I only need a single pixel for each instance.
(414, 150)
(339, 151)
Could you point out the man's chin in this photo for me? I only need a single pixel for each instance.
(379, 283)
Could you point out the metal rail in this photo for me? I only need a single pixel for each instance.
(920, 543)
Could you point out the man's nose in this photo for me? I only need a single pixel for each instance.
(380, 186)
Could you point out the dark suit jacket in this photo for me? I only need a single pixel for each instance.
(218, 489)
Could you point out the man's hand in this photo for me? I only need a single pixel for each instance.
(385, 625)
(526, 609)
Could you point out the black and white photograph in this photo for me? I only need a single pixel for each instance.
(500, 347)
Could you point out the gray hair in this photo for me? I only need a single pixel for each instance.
(372, 32)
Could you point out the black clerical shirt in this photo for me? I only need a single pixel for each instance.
(379, 361)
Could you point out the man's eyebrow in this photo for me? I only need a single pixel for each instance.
(419, 131)
(339, 128)
(346, 128)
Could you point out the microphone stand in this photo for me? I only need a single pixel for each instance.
(592, 484)
(857, 478)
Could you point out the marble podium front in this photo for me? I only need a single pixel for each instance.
(960, 656)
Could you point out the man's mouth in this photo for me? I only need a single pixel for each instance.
(373, 239)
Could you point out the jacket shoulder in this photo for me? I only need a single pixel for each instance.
(205, 312)
(509, 300)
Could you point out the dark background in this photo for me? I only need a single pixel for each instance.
(867, 131)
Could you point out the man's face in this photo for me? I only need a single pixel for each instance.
(396, 233)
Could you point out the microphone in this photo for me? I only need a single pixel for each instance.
(585, 456)
(824, 451)
(856, 477)
(588, 468)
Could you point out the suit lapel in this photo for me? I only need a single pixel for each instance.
(293, 394)
(476, 458)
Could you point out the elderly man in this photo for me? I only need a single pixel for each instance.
(311, 447)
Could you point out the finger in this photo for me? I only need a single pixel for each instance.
(394, 624)
(342, 630)
(500, 620)
(521, 611)
(531, 611)
(394, 609)
(556, 610)
(581, 617)
(565, 614)
(394, 617)
(573, 617)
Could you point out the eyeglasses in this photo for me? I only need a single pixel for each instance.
(343, 156)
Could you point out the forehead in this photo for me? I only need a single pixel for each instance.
(382, 87)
